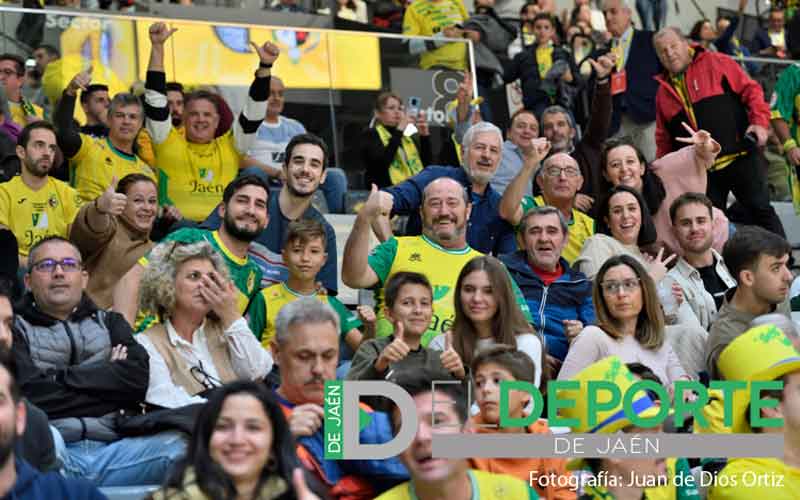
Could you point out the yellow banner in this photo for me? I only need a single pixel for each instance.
(200, 54)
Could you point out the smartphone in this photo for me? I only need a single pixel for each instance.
(30, 63)
(413, 105)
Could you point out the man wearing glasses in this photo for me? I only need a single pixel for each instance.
(560, 179)
(34, 205)
(82, 366)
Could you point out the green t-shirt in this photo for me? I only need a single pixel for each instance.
(244, 273)
(267, 304)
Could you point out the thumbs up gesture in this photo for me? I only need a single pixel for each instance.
(79, 82)
(394, 352)
(378, 203)
(111, 202)
(450, 359)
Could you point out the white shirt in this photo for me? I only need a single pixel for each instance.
(249, 359)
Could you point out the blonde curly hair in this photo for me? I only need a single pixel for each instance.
(157, 288)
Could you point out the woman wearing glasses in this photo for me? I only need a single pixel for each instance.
(202, 341)
(661, 182)
(630, 324)
(241, 448)
(624, 227)
(113, 232)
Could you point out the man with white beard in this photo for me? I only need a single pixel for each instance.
(487, 232)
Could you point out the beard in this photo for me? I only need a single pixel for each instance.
(237, 232)
(37, 169)
(443, 235)
(300, 194)
(7, 442)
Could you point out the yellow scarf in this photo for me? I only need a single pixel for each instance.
(406, 161)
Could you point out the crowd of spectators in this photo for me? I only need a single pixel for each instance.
(168, 281)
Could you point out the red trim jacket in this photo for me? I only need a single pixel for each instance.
(724, 99)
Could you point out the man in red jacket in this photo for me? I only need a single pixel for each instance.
(710, 91)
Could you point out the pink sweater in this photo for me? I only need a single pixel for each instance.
(683, 171)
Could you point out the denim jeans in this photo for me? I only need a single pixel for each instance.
(128, 462)
(334, 187)
(653, 14)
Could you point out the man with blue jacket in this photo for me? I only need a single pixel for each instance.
(560, 298)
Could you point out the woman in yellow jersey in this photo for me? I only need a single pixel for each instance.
(202, 341)
(487, 314)
(388, 153)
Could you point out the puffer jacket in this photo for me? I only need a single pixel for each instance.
(568, 297)
(65, 369)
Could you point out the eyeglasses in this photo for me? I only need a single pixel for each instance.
(556, 171)
(628, 285)
(9, 72)
(68, 265)
(203, 378)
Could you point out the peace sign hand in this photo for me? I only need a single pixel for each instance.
(657, 266)
(704, 144)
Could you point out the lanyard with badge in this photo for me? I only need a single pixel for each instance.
(619, 80)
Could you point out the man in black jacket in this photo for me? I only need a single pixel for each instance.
(82, 366)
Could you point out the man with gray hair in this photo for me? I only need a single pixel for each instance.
(97, 161)
(560, 296)
(632, 85)
(487, 232)
(559, 179)
(306, 348)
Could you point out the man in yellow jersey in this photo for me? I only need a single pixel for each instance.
(763, 353)
(439, 253)
(12, 77)
(194, 169)
(244, 216)
(445, 477)
(95, 161)
(440, 19)
(33, 204)
(560, 179)
(710, 91)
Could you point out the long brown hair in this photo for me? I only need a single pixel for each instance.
(649, 324)
(508, 321)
